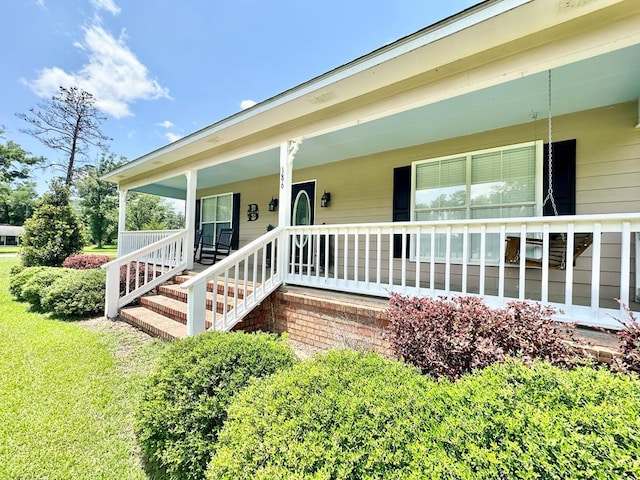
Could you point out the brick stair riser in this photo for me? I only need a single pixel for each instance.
(220, 289)
(182, 296)
(167, 311)
(145, 327)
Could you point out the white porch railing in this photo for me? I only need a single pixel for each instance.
(251, 273)
(134, 274)
(468, 257)
(130, 241)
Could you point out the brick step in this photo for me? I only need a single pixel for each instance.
(171, 308)
(153, 323)
(177, 293)
(247, 287)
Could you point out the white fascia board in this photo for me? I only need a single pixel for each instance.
(437, 31)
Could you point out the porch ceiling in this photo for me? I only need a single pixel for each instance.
(599, 81)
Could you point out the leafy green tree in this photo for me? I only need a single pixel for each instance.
(69, 123)
(17, 202)
(53, 232)
(150, 212)
(15, 162)
(99, 199)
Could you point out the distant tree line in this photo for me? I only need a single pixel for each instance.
(70, 125)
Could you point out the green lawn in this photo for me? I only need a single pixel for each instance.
(67, 394)
(111, 250)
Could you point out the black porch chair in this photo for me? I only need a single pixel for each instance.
(221, 248)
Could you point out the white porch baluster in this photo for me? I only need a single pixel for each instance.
(625, 265)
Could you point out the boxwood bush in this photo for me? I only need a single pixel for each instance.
(36, 287)
(18, 280)
(185, 400)
(76, 294)
(355, 416)
(341, 415)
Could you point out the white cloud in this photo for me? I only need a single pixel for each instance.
(40, 3)
(108, 5)
(244, 104)
(172, 137)
(113, 74)
(166, 124)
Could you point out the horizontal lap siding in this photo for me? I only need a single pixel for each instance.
(607, 181)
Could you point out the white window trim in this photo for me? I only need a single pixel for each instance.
(215, 196)
(538, 203)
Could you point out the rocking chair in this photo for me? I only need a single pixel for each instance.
(221, 248)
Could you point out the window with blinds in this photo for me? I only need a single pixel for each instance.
(502, 182)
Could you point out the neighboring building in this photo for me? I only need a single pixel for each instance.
(10, 235)
(431, 159)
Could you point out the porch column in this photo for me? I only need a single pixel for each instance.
(122, 217)
(288, 152)
(190, 214)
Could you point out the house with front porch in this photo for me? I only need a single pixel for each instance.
(495, 153)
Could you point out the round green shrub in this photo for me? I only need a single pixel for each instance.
(53, 232)
(76, 294)
(185, 400)
(352, 416)
(36, 287)
(18, 280)
(340, 415)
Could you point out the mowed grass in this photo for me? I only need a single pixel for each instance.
(67, 395)
(111, 250)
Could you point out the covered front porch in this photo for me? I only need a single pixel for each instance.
(422, 172)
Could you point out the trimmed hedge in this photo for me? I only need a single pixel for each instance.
(354, 416)
(18, 280)
(38, 285)
(340, 415)
(85, 261)
(447, 337)
(77, 294)
(185, 400)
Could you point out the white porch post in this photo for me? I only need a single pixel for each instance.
(122, 217)
(288, 152)
(190, 213)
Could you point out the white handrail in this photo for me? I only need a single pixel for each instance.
(251, 273)
(467, 257)
(145, 269)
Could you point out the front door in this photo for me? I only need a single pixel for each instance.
(303, 197)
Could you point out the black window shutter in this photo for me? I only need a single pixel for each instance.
(235, 238)
(401, 204)
(564, 177)
(197, 222)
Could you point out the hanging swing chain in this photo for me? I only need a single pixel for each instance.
(549, 196)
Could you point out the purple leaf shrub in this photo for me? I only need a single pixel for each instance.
(449, 337)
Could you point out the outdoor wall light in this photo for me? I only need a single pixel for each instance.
(273, 204)
(325, 199)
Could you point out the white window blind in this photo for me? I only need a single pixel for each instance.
(497, 183)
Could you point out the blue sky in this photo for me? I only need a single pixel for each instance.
(161, 69)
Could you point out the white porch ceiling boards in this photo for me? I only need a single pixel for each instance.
(599, 81)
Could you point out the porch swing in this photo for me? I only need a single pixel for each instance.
(557, 242)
